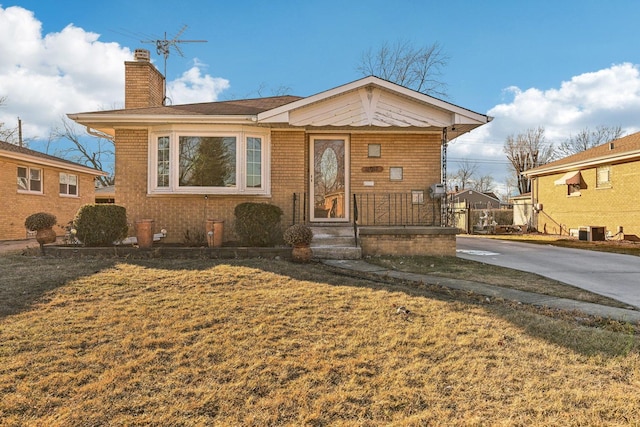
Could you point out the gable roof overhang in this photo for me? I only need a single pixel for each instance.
(374, 102)
(366, 103)
(25, 155)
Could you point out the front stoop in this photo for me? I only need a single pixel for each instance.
(334, 242)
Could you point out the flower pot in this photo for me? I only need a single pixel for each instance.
(301, 253)
(144, 232)
(215, 232)
(46, 235)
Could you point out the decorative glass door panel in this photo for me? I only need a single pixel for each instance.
(329, 160)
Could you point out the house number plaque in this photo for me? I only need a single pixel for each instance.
(370, 169)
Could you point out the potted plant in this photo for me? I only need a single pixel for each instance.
(42, 223)
(299, 236)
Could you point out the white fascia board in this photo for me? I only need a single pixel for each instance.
(51, 163)
(129, 119)
(462, 114)
(629, 155)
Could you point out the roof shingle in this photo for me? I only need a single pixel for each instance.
(5, 146)
(242, 107)
(616, 147)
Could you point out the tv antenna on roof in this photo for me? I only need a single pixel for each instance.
(163, 47)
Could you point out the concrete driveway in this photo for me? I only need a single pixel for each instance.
(613, 275)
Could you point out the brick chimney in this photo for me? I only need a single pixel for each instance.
(143, 83)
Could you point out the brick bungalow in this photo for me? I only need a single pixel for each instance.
(594, 188)
(369, 146)
(44, 183)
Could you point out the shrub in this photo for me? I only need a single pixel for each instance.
(40, 221)
(258, 224)
(298, 234)
(101, 224)
(194, 239)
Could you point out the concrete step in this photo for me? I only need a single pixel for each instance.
(336, 252)
(332, 231)
(334, 242)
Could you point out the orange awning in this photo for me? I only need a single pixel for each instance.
(569, 178)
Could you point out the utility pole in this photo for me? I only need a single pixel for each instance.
(20, 132)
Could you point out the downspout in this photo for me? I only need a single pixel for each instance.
(444, 217)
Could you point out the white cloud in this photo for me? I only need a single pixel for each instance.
(44, 77)
(193, 87)
(608, 97)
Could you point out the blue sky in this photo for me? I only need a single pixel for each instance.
(535, 63)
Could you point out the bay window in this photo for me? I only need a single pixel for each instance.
(208, 163)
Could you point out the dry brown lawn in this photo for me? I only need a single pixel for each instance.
(255, 342)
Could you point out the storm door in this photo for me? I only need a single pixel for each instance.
(329, 179)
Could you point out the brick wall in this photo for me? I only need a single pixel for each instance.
(144, 85)
(419, 155)
(179, 213)
(399, 241)
(16, 207)
(609, 207)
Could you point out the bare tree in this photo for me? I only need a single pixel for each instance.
(418, 68)
(483, 184)
(586, 139)
(465, 173)
(95, 154)
(7, 134)
(525, 151)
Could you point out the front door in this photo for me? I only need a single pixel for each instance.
(329, 179)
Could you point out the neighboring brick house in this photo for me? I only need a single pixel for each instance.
(182, 164)
(36, 182)
(594, 188)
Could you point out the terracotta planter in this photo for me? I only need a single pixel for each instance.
(144, 232)
(46, 236)
(301, 253)
(216, 227)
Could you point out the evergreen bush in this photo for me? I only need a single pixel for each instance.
(258, 224)
(101, 224)
(40, 221)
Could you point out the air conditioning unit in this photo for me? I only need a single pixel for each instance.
(437, 191)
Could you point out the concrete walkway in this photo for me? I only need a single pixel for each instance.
(7, 246)
(620, 314)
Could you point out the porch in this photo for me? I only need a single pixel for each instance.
(377, 224)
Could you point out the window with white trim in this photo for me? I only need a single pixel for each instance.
(68, 184)
(208, 163)
(29, 180)
(603, 177)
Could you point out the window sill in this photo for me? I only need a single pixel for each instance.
(31, 193)
(208, 195)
